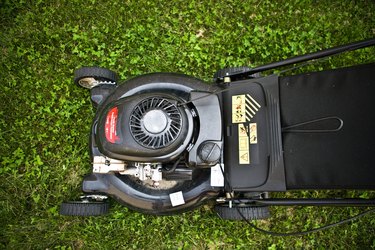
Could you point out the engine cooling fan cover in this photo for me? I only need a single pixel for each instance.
(156, 122)
(148, 127)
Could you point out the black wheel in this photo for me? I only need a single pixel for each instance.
(89, 77)
(219, 75)
(248, 212)
(84, 208)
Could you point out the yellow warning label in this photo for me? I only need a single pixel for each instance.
(242, 131)
(238, 108)
(244, 108)
(243, 145)
(253, 133)
(238, 99)
(244, 157)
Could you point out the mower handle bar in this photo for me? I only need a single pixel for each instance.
(311, 56)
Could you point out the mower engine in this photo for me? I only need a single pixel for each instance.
(158, 128)
(154, 139)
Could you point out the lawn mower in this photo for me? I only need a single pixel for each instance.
(165, 143)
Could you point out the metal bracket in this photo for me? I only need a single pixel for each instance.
(103, 165)
(93, 197)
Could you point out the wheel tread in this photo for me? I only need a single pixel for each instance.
(249, 212)
(95, 72)
(84, 209)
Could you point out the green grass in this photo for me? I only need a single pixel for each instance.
(45, 119)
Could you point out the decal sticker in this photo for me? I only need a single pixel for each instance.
(243, 145)
(244, 108)
(253, 133)
(217, 178)
(238, 109)
(177, 199)
(244, 157)
(110, 125)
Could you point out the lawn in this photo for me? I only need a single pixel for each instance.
(45, 118)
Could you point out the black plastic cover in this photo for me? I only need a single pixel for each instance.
(342, 159)
(253, 148)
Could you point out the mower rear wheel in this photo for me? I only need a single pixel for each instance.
(248, 212)
(89, 77)
(84, 208)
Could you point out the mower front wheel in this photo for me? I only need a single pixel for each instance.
(89, 77)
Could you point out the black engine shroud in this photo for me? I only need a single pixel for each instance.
(147, 120)
(124, 132)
